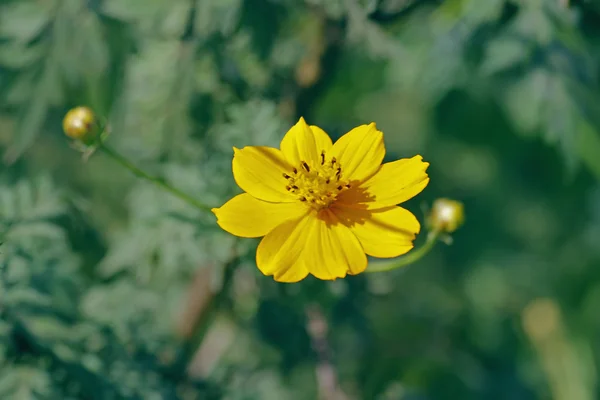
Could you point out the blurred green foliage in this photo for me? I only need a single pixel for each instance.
(111, 289)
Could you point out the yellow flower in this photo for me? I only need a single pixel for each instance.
(323, 207)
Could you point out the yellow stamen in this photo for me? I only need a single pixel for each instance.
(317, 185)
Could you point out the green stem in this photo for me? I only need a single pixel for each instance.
(157, 181)
(408, 259)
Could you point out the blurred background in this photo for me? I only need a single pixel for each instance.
(112, 289)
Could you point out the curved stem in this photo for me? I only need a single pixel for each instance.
(408, 259)
(157, 181)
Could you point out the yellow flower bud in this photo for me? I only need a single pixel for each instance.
(446, 215)
(80, 123)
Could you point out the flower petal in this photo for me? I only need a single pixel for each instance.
(320, 245)
(279, 251)
(259, 171)
(359, 152)
(398, 181)
(331, 249)
(322, 139)
(394, 183)
(246, 216)
(300, 144)
(383, 233)
(295, 273)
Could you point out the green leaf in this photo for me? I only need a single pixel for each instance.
(16, 55)
(133, 10)
(333, 8)
(253, 123)
(175, 20)
(588, 145)
(33, 199)
(561, 121)
(134, 320)
(525, 101)
(24, 383)
(217, 16)
(26, 296)
(5, 331)
(504, 53)
(157, 88)
(33, 114)
(159, 248)
(534, 23)
(159, 18)
(84, 55)
(394, 6)
(469, 14)
(24, 20)
(48, 329)
(249, 65)
(20, 88)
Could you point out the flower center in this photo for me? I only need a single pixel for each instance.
(317, 185)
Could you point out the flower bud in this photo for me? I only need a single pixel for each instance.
(446, 215)
(80, 123)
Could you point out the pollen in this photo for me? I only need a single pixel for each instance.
(316, 185)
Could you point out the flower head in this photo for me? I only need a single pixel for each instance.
(446, 215)
(79, 123)
(323, 207)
